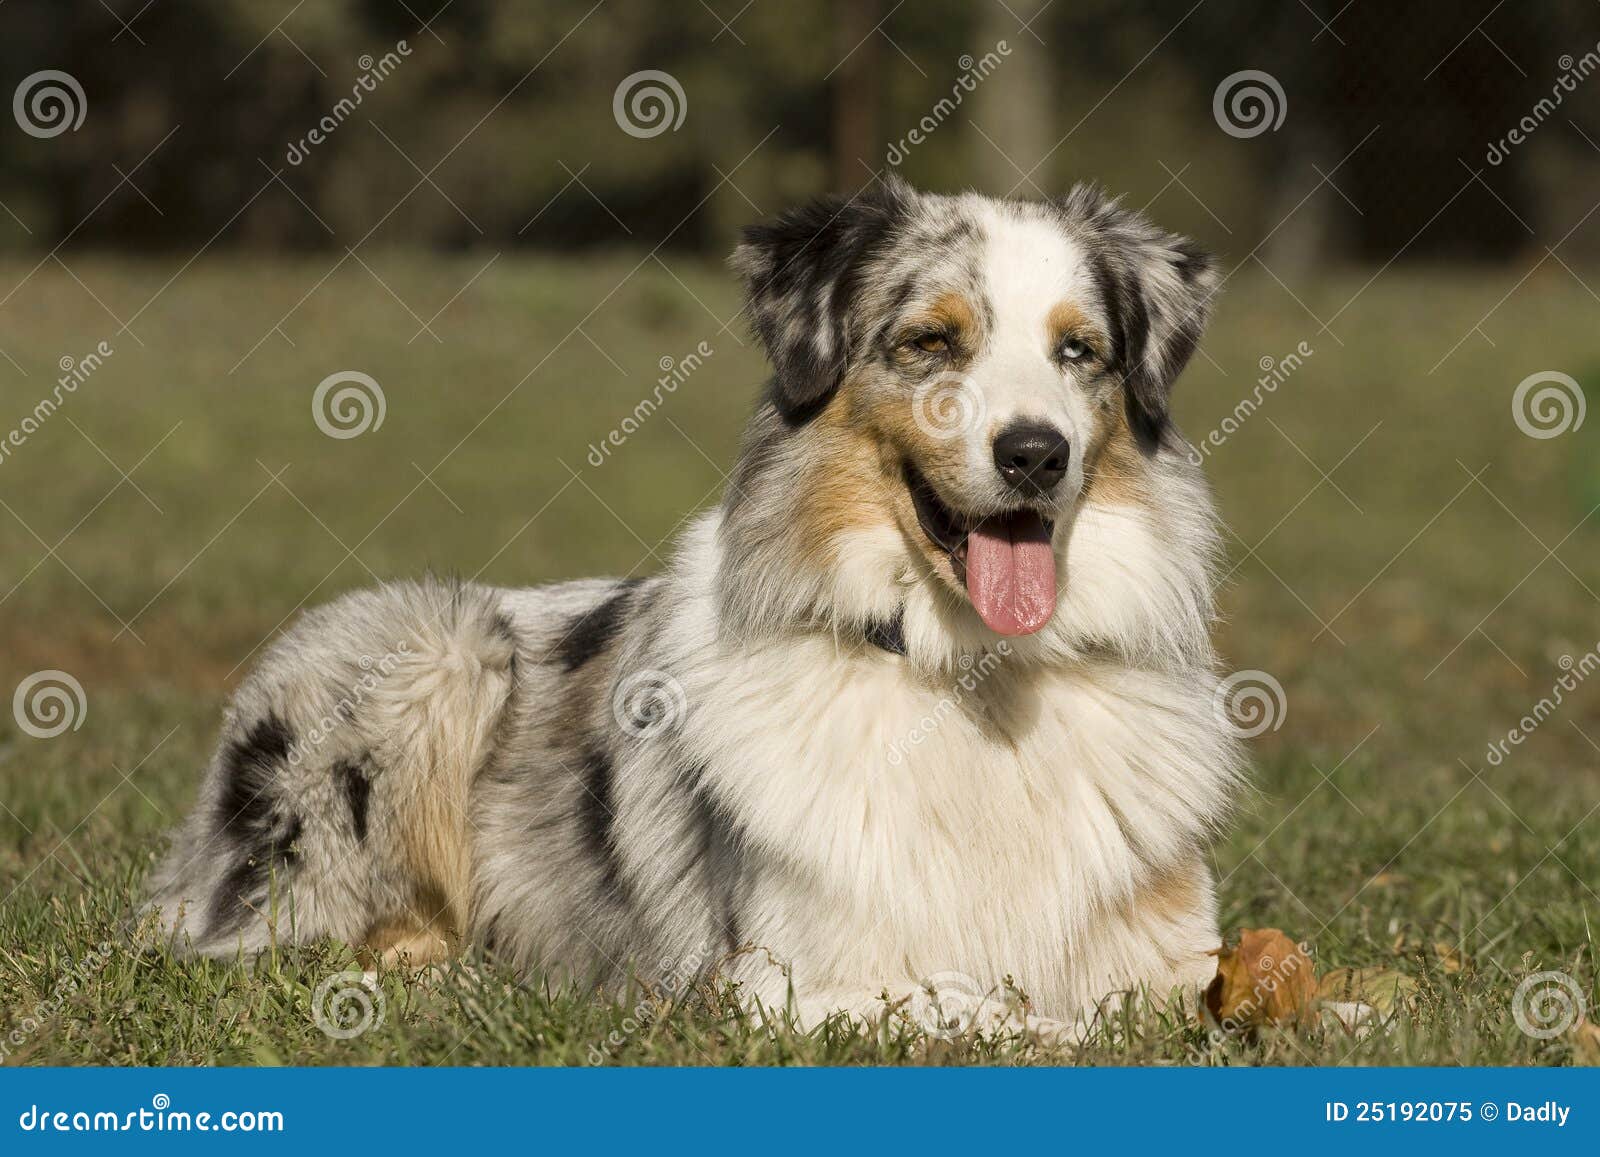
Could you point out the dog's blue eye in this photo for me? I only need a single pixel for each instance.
(1074, 350)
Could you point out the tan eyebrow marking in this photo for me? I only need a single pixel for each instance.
(1067, 319)
(951, 312)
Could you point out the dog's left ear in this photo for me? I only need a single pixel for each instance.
(1158, 289)
(801, 277)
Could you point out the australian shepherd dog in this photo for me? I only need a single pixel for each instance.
(921, 715)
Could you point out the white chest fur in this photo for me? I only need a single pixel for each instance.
(978, 823)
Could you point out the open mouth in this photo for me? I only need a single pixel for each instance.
(1005, 560)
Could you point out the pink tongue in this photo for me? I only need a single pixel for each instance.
(1011, 573)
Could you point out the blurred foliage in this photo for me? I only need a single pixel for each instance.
(500, 118)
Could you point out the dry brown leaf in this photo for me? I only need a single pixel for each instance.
(1381, 988)
(1449, 959)
(1265, 979)
(1361, 999)
(1586, 1043)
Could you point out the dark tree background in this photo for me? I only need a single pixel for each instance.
(1391, 110)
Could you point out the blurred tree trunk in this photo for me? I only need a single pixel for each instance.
(1012, 105)
(857, 93)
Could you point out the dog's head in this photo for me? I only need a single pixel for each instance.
(972, 371)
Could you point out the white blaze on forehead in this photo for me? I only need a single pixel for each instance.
(1029, 266)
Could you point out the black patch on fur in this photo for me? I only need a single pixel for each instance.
(1192, 261)
(804, 257)
(251, 765)
(889, 634)
(500, 626)
(250, 816)
(352, 780)
(1129, 318)
(1153, 335)
(597, 821)
(1110, 294)
(1136, 333)
(722, 867)
(592, 631)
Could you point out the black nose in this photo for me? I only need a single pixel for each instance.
(1032, 457)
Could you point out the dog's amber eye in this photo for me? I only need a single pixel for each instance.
(931, 343)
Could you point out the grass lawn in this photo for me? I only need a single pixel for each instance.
(1408, 565)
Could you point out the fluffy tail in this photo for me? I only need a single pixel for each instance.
(337, 802)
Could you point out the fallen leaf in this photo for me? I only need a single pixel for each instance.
(1449, 959)
(1383, 989)
(1266, 979)
(1586, 1043)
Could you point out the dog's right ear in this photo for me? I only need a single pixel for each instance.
(800, 274)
